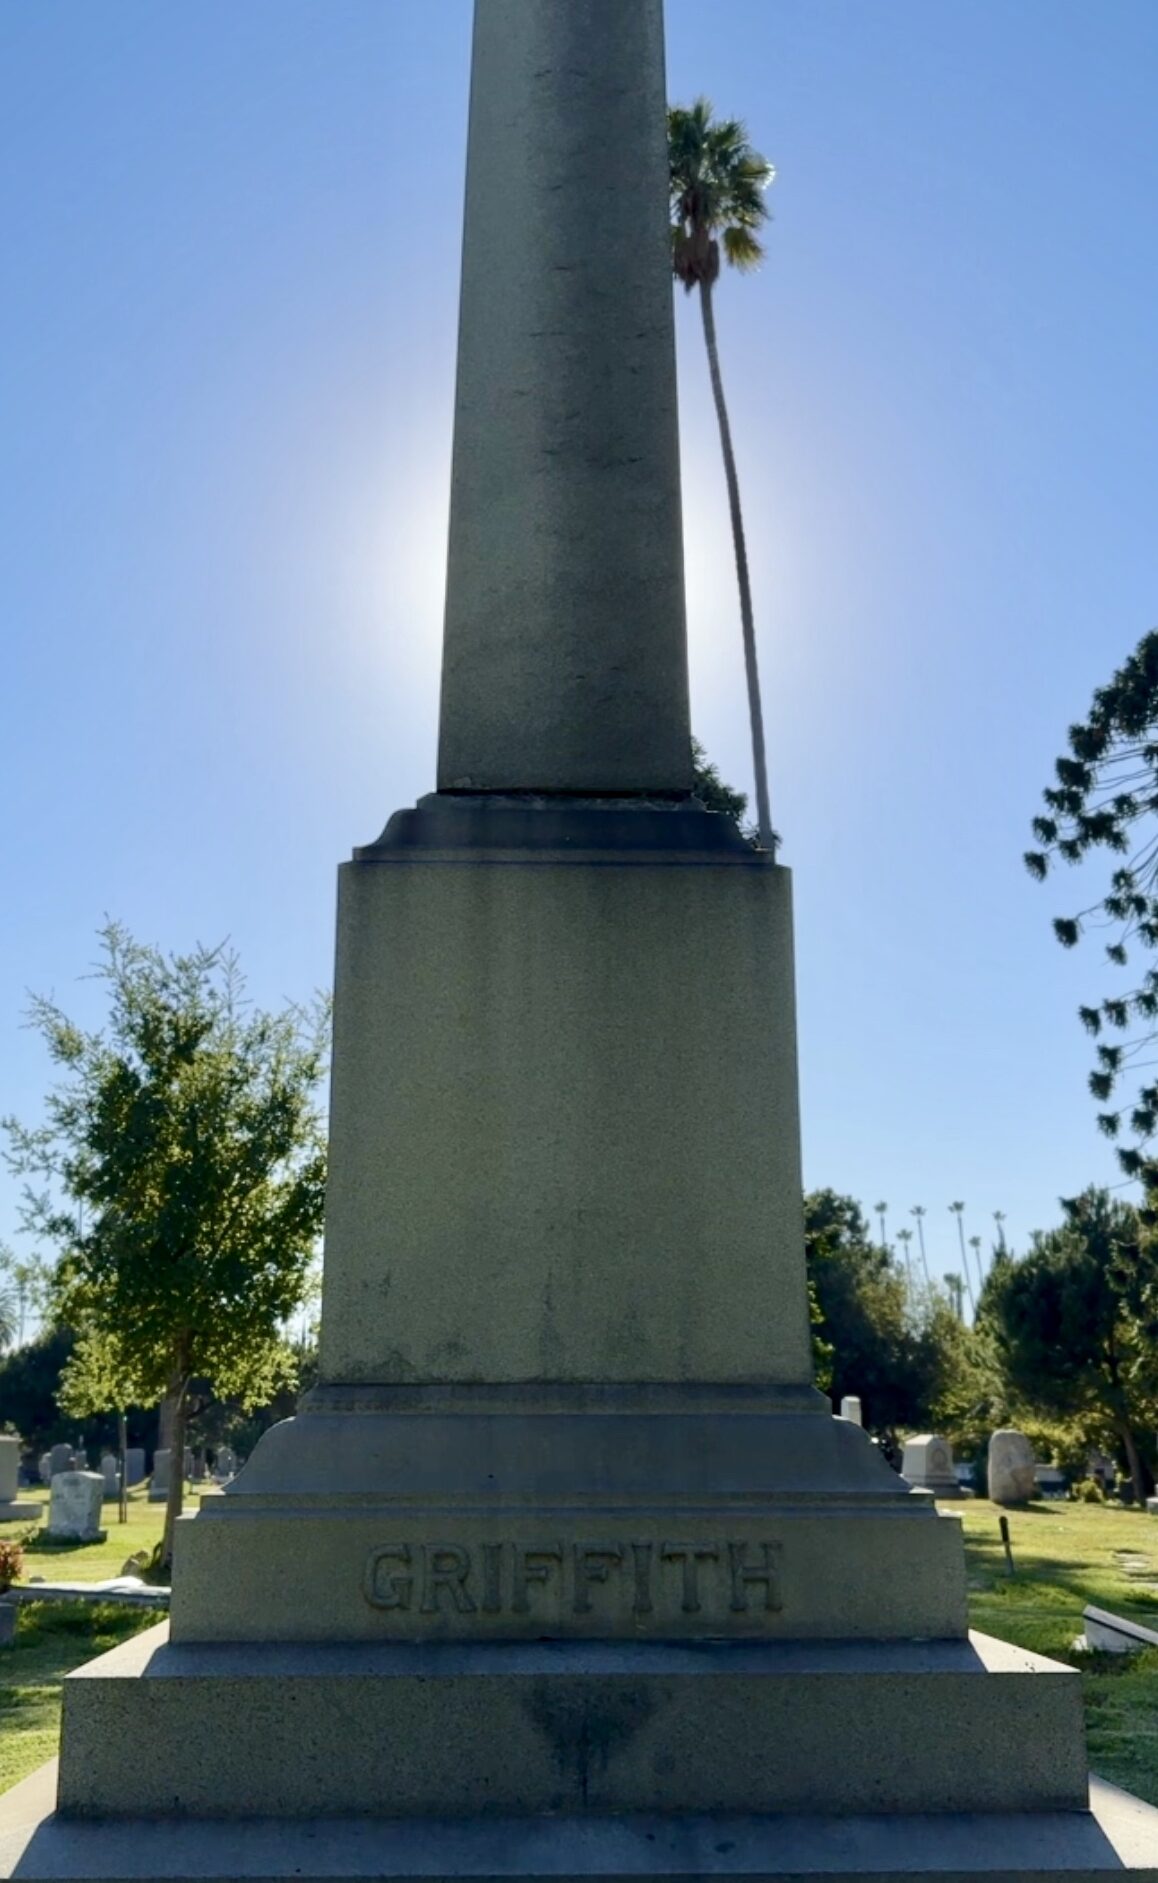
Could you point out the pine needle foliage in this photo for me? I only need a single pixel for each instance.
(1105, 798)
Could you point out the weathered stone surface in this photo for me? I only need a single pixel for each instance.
(1011, 1468)
(134, 1465)
(62, 1458)
(12, 1508)
(928, 1465)
(1116, 1841)
(511, 1195)
(850, 1408)
(617, 1474)
(9, 1468)
(565, 664)
(543, 1727)
(159, 1482)
(74, 1511)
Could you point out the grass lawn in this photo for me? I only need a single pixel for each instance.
(1065, 1555)
(53, 1638)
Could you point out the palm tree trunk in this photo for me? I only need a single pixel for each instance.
(755, 710)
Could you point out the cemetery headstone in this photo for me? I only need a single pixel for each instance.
(224, 1464)
(850, 1408)
(12, 1510)
(61, 1458)
(134, 1465)
(74, 1512)
(159, 1482)
(1012, 1468)
(110, 1471)
(928, 1466)
(46, 1467)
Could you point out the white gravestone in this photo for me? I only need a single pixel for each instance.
(75, 1509)
(1012, 1468)
(928, 1465)
(850, 1408)
(10, 1508)
(46, 1467)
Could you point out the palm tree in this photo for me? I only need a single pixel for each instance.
(999, 1219)
(975, 1245)
(904, 1237)
(717, 200)
(882, 1210)
(918, 1210)
(958, 1210)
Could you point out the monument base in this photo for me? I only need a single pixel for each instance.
(1114, 1841)
(550, 1728)
(13, 1512)
(491, 1514)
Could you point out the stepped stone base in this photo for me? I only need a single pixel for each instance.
(14, 1512)
(586, 1512)
(1114, 1841)
(547, 1728)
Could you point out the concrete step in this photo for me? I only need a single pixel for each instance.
(1114, 1841)
(447, 1729)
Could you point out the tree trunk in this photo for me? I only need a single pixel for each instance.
(747, 625)
(1134, 1464)
(176, 1500)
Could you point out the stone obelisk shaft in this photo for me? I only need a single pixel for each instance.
(565, 664)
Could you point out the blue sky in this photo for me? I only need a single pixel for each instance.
(229, 282)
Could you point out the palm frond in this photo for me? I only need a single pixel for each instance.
(741, 249)
(717, 185)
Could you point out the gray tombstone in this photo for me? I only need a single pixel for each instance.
(11, 1510)
(134, 1465)
(928, 1466)
(111, 1475)
(1012, 1471)
(9, 1468)
(74, 1513)
(159, 1483)
(46, 1467)
(61, 1458)
(225, 1464)
(850, 1408)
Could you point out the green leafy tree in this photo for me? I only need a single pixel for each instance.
(717, 205)
(898, 1350)
(30, 1390)
(185, 1165)
(1105, 797)
(1076, 1321)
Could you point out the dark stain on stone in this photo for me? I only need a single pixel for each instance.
(586, 1729)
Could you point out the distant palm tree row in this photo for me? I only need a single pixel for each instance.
(959, 1285)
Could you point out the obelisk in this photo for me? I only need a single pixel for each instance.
(565, 1569)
